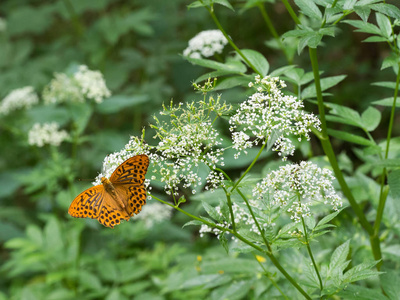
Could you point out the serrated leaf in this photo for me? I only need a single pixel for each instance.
(230, 68)
(339, 257)
(326, 83)
(390, 61)
(231, 82)
(257, 60)
(211, 211)
(224, 242)
(360, 272)
(386, 9)
(386, 84)
(309, 8)
(193, 222)
(342, 120)
(363, 12)
(281, 70)
(371, 118)
(384, 25)
(224, 3)
(394, 184)
(327, 219)
(375, 39)
(387, 102)
(349, 137)
(390, 284)
(364, 27)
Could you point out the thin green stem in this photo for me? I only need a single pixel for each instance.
(384, 190)
(255, 220)
(268, 275)
(291, 11)
(228, 199)
(272, 29)
(321, 286)
(230, 41)
(327, 147)
(238, 236)
(251, 165)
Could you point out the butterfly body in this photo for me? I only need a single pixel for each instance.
(117, 198)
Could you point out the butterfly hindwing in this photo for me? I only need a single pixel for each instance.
(134, 197)
(110, 216)
(88, 203)
(132, 170)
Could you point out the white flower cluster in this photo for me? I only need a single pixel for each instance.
(47, 133)
(270, 113)
(84, 84)
(206, 44)
(187, 141)
(134, 147)
(295, 186)
(243, 219)
(92, 84)
(155, 213)
(20, 98)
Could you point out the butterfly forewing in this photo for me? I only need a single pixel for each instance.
(132, 170)
(88, 203)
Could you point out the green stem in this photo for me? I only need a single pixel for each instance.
(268, 275)
(249, 168)
(255, 220)
(321, 286)
(327, 147)
(214, 17)
(271, 28)
(228, 199)
(291, 11)
(238, 236)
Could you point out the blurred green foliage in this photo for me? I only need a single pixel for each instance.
(44, 253)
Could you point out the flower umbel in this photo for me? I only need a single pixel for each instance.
(296, 186)
(269, 113)
(20, 98)
(84, 84)
(206, 44)
(154, 214)
(47, 133)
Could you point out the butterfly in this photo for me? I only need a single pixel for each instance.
(117, 198)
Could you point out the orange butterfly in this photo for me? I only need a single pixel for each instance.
(120, 197)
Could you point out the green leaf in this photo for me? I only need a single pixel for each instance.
(387, 102)
(327, 219)
(384, 25)
(341, 120)
(390, 284)
(386, 84)
(364, 27)
(388, 163)
(193, 222)
(211, 211)
(375, 39)
(362, 11)
(224, 3)
(120, 102)
(206, 280)
(89, 280)
(339, 257)
(231, 82)
(326, 83)
(309, 8)
(371, 118)
(391, 61)
(356, 292)
(230, 68)
(257, 60)
(349, 137)
(386, 9)
(394, 184)
(224, 242)
(136, 288)
(360, 272)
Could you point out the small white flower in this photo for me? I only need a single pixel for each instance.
(20, 98)
(84, 84)
(92, 84)
(47, 133)
(270, 113)
(154, 213)
(206, 44)
(296, 187)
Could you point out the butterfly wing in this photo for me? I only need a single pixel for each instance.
(131, 170)
(88, 203)
(133, 196)
(96, 203)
